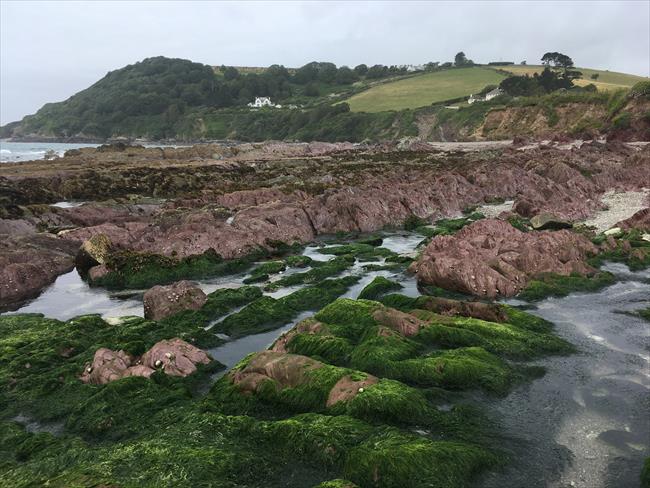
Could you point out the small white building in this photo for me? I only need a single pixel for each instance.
(493, 94)
(488, 96)
(261, 102)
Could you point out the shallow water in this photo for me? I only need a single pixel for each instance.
(586, 423)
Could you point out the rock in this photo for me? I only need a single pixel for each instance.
(548, 221)
(646, 237)
(347, 388)
(307, 326)
(478, 310)
(614, 231)
(97, 272)
(163, 301)
(405, 324)
(107, 366)
(491, 258)
(30, 262)
(93, 252)
(640, 220)
(176, 357)
(287, 370)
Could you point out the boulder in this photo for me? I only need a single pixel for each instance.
(163, 301)
(491, 258)
(93, 252)
(548, 221)
(286, 370)
(107, 366)
(307, 326)
(175, 357)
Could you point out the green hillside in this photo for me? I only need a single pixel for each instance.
(607, 80)
(422, 90)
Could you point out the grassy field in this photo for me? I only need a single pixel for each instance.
(425, 89)
(607, 80)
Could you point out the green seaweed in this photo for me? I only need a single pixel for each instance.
(377, 287)
(558, 285)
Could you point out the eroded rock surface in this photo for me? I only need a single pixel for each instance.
(164, 300)
(175, 357)
(491, 258)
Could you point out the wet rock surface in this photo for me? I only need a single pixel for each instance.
(256, 196)
(175, 357)
(163, 301)
(491, 258)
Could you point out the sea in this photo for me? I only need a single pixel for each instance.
(16, 152)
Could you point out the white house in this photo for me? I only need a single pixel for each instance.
(493, 94)
(261, 102)
(488, 96)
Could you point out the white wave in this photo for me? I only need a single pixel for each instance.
(5, 151)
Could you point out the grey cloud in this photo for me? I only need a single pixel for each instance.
(50, 50)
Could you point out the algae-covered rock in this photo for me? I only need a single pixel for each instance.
(378, 287)
(163, 301)
(93, 252)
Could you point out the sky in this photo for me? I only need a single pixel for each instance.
(50, 50)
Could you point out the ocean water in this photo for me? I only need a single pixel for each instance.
(15, 152)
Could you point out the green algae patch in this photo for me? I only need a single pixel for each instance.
(143, 270)
(267, 313)
(645, 474)
(559, 285)
(325, 347)
(262, 271)
(398, 301)
(41, 359)
(644, 313)
(631, 249)
(320, 271)
(218, 304)
(394, 459)
(353, 316)
(505, 339)
(377, 287)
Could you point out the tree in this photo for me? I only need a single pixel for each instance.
(311, 90)
(230, 73)
(557, 60)
(345, 76)
(460, 59)
(595, 76)
(377, 71)
(361, 69)
(523, 63)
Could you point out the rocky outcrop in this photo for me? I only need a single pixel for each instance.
(489, 312)
(491, 258)
(293, 370)
(548, 221)
(406, 324)
(175, 357)
(162, 301)
(307, 326)
(286, 370)
(236, 205)
(30, 262)
(640, 220)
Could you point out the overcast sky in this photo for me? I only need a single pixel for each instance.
(49, 50)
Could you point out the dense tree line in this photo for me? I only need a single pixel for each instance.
(168, 89)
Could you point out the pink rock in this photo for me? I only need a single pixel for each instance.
(175, 356)
(491, 258)
(163, 301)
(107, 366)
